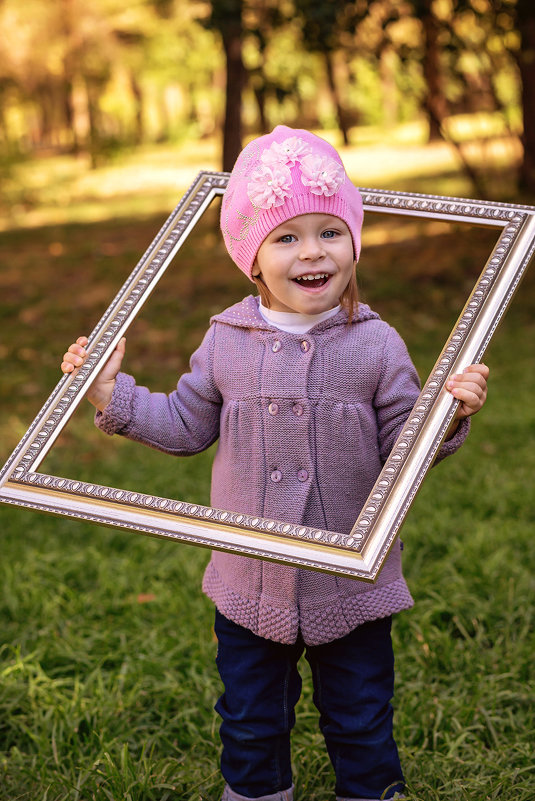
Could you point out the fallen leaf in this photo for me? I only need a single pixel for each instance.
(145, 597)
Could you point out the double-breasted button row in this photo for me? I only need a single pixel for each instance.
(297, 409)
(277, 345)
(276, 476)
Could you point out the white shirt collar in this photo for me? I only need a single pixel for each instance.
(293, 322)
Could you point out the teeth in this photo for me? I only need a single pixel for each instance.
(311, 277)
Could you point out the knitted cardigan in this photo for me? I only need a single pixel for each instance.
(305, 423)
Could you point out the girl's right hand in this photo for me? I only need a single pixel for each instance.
(100, 392)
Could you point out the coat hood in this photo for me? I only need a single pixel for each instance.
(246, 314)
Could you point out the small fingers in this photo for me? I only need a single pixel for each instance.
(470, 398)
(71, 362)
(75, 355)
(476, 375)
(481, 369)
(470, 388)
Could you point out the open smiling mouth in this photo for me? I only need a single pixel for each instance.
(312, 281)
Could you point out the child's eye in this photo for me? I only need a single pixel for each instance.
(287, 238)
(329, 234)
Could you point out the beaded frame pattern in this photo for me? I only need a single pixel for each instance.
(359, 554)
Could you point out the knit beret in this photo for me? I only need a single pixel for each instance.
(279, 176)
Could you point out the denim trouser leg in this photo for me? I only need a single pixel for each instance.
(262, 686)
(353, 685)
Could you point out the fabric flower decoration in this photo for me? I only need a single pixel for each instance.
(287, 152)
(322, 174)
(270, 186)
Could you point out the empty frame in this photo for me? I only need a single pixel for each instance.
(360, 553)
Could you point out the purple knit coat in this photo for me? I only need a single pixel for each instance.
(304, 423)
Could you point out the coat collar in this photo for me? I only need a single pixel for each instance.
(246, 314)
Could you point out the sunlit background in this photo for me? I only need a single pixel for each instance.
(108, 109)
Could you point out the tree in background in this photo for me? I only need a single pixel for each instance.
(524, 16)
(434, 100)
(74, 75)
(387, 39)
(322, 23)
(265, 21)
(226, 17)
(507, 40)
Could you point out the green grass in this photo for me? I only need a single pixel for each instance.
(107, 673)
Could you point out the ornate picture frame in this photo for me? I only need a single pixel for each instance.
(359, 554)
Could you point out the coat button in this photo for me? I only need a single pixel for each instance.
(276, 476)
(302, 475)
(305, 346)
(273, 408)
(297, 409)
(277, 345)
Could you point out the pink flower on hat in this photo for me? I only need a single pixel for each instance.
(288, 152)
(270, 185)
(322, 174)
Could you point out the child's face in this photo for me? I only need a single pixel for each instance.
(306, 263)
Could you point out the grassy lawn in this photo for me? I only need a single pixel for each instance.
(107, 674)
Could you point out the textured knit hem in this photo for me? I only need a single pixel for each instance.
(117, 413)
(339, 617)
(318, 625)
(282, 795)
(272, 623)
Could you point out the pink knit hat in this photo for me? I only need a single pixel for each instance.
(280, 176)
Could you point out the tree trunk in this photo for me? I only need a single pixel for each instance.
(69, 72)
(526, 64)
(4, 133)
(93, 113)
(46, 115)
(137, 92)
(68, 110)
(231, 32)
(260, 97)
(164, 114)
(340, 114)
(387, 73)
(434, 101)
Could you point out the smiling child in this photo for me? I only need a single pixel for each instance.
(306, 390)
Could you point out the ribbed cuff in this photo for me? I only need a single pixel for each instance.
(449, 446)
(117, 414)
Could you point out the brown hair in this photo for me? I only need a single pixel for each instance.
(349, 299)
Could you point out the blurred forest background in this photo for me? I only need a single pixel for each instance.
(108, 109)
(99, 76)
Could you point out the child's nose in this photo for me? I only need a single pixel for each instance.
(311, 249)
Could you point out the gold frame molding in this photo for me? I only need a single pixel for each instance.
(359, 554)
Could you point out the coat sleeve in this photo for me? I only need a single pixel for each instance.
(184, 422)
(396, 394)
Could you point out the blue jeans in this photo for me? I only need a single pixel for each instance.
(353, 681)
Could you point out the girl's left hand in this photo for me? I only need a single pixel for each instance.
(470, 387)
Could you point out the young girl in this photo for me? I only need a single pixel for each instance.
(306, 390)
